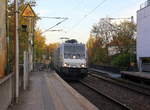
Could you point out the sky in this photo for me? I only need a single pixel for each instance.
(82, 14)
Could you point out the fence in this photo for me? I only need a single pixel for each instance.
(6, 91)
(7, 86)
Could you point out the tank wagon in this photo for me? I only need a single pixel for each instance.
(70, 60)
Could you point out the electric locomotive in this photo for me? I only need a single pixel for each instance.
(70, 60)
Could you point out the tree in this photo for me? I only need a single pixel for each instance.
(105, 35)
(43, 49)
(105, 30)
(23, 33)
(124, 38)
(39, 45)
(90, 47)
(23, 36)
(50, 48)
(96, 52)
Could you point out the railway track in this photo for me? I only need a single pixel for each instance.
(100, 100)
(139, 88)
(111, 100)
(135, 97)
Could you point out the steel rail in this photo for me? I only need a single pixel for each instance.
(104, 95)
(123, 84)
(123, 81)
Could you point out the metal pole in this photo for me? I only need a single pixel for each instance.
(33, 46)
(30, 44)
(7, 34)
(131, 48)
(32, 27)
(16, 49)
(132, 19)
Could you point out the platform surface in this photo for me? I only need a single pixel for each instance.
(48, 91)
(144, 75)
(112, 74)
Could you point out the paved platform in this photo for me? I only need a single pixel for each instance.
(143, 75)
(111, 74)
(48, 91)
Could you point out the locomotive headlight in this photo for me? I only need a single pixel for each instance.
(74, 57)
(83, 65)
(66, 65)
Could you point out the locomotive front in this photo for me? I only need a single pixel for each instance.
(74, 62)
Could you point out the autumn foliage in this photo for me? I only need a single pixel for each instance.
(42, 50)
(119, 38)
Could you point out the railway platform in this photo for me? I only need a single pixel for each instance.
(138, 76)
(47, 91)
(111, 74)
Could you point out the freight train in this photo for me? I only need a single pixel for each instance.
(70, 60)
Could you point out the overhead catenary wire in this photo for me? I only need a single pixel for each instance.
(55, 25)
(90, 12)
(95, 8)
(53, 17)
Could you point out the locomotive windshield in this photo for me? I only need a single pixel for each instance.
(74, 51)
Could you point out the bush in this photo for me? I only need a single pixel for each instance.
(123, 60)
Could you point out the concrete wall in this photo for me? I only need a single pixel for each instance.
(143, 32)
(6, 92)
(143, 36)
(146, 67)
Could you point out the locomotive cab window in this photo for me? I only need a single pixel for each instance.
(74, 52)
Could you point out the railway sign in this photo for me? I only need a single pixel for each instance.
(28, 11)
